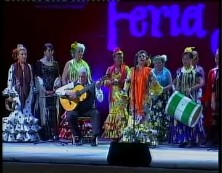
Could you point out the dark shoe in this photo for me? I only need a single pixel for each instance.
(195, 145)
(94, 141)
(209, 144)
(203, 145)
(56, 138)
(183, 145)
(77, 141)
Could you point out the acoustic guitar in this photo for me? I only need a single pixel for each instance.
(70, 104)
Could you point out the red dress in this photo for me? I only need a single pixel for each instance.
(207, 97)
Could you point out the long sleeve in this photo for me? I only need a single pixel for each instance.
(128, 74)
(128, 79)
(107, 82)
(10, 77)
(209, 84)
(62, 90)
(99, 95)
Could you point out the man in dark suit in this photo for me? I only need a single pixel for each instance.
(86, 107)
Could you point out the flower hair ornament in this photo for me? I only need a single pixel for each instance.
(189, 49)
(76, 45)
(117, 50)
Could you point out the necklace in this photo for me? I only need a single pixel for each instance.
(47, 62)
(187, 69)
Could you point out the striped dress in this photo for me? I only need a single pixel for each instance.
(187, 78)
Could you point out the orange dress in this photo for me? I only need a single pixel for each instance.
(139, 96)
(139, 100)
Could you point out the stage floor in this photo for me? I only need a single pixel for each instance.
(163, 156)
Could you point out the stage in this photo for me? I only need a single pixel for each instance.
(164, 157)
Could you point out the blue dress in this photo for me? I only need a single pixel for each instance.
(182, 134)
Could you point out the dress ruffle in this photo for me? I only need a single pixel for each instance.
(18, 127)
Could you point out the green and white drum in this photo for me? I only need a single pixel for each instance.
(183, 109)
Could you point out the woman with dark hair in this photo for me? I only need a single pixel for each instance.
(47, 81)
(118, 116)
(140, 85)
(188, 81)
(21, 125)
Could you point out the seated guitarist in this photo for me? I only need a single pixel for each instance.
(84, 107)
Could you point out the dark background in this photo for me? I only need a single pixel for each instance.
(34, 24)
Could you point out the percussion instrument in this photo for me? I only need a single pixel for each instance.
(183, 109)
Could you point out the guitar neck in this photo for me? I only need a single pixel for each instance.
(91, 85)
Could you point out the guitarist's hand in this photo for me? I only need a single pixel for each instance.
(71, 94)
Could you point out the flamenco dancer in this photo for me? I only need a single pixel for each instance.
(118, 114)
(188, 81)
(20, 125)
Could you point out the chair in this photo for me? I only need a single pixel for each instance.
(85, 125)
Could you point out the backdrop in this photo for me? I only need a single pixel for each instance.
(157, 27)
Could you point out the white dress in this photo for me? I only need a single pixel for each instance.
(20, 125)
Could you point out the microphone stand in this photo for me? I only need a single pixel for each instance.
(134, 138)
(124, 154)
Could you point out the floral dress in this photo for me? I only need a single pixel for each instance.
(139, 128)
(117, 118)
(20, 125)
(160, 120)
